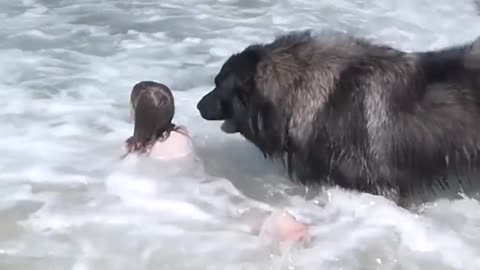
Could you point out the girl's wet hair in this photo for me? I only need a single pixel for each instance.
(153, 107)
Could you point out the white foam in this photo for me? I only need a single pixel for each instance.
(65, 78)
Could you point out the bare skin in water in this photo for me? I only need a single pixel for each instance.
(281, 226)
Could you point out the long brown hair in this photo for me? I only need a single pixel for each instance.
(153, 106)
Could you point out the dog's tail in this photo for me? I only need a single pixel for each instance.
(472, 57)
(440, 64)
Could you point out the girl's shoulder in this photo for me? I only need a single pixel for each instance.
(178, 144)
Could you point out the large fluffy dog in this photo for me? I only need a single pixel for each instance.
(347, 112)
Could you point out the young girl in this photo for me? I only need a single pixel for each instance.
(152, 109)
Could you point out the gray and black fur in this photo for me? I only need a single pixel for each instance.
(344, 111)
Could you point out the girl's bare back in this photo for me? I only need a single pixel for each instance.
(177, 145)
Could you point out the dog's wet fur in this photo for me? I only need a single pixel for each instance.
(341, 110)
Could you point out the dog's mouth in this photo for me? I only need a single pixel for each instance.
(229, 127)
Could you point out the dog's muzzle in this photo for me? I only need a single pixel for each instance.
(210, 107)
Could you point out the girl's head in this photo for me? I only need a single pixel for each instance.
(152, 106)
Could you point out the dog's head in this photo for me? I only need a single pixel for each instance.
(251, 95)
(234, 87)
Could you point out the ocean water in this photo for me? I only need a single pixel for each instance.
(68, 202)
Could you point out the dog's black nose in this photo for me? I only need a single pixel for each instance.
(210, 107)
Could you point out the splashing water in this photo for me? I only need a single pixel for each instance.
(68, 202)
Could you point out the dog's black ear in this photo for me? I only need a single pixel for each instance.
(253, 54)
(247, 70)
